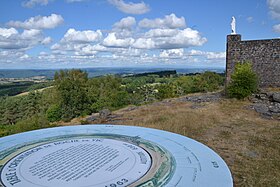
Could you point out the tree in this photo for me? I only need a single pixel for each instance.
(107, 92)
(53, 113)
(244, 81)
(205, 82)
(72, 89)
(32, 123)
(166, 91)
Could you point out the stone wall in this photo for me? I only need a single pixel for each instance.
(263, 54)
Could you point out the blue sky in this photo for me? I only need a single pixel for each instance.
(124, 33)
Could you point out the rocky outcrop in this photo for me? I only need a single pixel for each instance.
(209, 97)
(198, 101)
(267, 104)
(104, 114)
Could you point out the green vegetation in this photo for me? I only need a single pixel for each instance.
(244, 81)
(72, 90)
(73, 94)
(248, 143)
(15, 88)
(159, 73)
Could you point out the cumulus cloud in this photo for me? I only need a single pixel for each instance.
(172, 53)
(10, 56)
(12, 39)
(166, 42)
(25, 56)
(130, 7)
(82, 36)
(125, 27)
(8, 32)
(112, 41)
(274, 6)
(169, 21)
(155, 33)
(170, 39)
(125, 23)
(215, 55)
(208, 55)
(125, 39)
(79, 43)
(32, 3)
(31, 33)
(276, 28)
(46, 40)
(91, 49)
(38, 22)
(144, 43)
(185, 38)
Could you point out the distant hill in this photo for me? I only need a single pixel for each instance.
(167, 73)
(95, 72)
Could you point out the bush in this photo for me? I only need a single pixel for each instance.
(244, 81)
(166, 91)
(33, 123)
(71, 86)
(205, 82)
(53, 113)
(212, 81)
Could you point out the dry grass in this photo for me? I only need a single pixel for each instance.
(249, 144)
(38, 90)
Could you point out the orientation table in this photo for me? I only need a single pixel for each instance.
(108, 156)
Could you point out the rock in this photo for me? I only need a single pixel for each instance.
(131, 108)
(202, 98)
(252, 154)
(269, 95)
(261, 96)
(261, 108)
(276, 97)
(254, 100)
(267, 104)
(105, 113)
(274, 109)
(197, 106)
(92, 117)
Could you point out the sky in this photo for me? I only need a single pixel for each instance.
(40, 34)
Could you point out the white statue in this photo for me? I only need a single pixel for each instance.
(233, 31)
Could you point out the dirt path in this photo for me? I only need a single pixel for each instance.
(26, 93)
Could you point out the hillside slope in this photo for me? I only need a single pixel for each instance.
(247, 142)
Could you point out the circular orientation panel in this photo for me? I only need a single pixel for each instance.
(108, 156)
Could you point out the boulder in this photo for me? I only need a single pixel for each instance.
(276, 97)
(105, 113)
(274, 109)
(92, 117)
(261, 108)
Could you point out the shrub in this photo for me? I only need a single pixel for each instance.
(205, 82)
(33, 123)
(212, 81)
(244, 81)
(53, 113)
(71, 85)
(166, 91)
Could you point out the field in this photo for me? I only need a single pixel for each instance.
(15, 88)
(248, 143)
